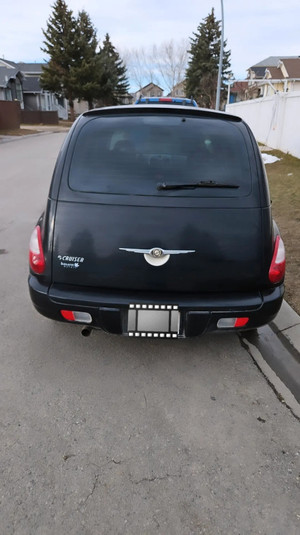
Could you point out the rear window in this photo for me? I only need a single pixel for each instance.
(135, 155)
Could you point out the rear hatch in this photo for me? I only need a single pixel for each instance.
(175, 180)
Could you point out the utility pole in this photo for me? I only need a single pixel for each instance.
(220, 60)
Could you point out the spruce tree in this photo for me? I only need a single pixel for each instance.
(75, 69)
(113, 83)
(84, 73)
(57, 75)
(202, 72)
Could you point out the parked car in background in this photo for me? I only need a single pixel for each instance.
(158, 224)
(167, 100)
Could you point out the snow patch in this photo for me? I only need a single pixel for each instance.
(268, 158)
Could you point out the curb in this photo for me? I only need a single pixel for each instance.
(7, 139)
(287, 324)
(276, 351)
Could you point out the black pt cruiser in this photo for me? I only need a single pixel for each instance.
(158, 224)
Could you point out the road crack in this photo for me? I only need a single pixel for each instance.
(155, 478)
(290, 327)
(96, 479)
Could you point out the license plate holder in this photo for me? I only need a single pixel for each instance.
(153, 321)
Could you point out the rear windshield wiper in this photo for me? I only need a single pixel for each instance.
(194, 185)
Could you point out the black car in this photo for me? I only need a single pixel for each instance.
(158, 224)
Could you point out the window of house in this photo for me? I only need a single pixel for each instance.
(8, 94)
(19, 93)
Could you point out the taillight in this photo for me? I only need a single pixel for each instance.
(241, 322)
(232, 323)
(277, 268)
(68, 315)
(75, 315)
(36, 255)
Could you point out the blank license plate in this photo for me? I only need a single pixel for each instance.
(158, 321)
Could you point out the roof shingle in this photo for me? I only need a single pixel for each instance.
(7, 73)
(292, 66)
(31, 84)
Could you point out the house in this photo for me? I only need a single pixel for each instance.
(21, 81)
(238, 92)
(178, 90)
(150, 90)
(80, 106)
(36, 98)
(284, 77)
(11, 82)
(128, 99)
(274, 74)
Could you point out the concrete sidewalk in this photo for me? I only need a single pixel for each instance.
(276, 350)
(287, 324)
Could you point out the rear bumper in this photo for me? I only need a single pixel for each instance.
(199, 313)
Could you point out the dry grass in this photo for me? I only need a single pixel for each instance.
(18, 132)
(63, 122)
(284, 181)
(26, 130)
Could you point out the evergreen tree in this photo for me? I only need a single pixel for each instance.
(86, 83)
(111, 72)
(202, 72)
(58, 75)
(75, 69)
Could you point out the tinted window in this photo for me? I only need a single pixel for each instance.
(133, 154)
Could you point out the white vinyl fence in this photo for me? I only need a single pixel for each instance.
(275, 121)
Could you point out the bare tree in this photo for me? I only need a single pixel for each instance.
(170, 59)
(139, 66)
(163, 64)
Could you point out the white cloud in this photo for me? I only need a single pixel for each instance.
(253, 31)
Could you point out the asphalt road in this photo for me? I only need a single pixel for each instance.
(109, 435)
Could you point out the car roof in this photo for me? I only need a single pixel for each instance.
(159, 108)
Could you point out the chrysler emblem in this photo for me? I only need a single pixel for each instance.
(156, 253)
(157, 256)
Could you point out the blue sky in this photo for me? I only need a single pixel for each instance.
(254, 30)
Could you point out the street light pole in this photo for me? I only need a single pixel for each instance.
(220, 60)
